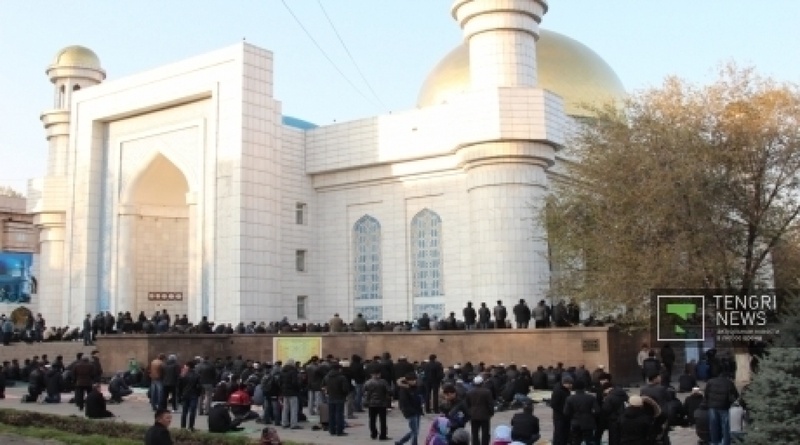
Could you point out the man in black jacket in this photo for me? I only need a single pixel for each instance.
(525, 426)
(54, 382)
(480, 405)
(668, 357)
(191, 389)
(692, 403)
(484, 315)
(377, 398)
(434, 374)
(719, 396)
(336, 386)
(581, 408)
(290, 390)
(470, 316)
(522, 314)
(96, 404)
(410, 405)
(220, 420)
(558, 400)
(613, 406)
(171, 371)
(208, 378)
(158, 434)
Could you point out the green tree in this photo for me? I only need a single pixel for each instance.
(681, 186)
(773, 396)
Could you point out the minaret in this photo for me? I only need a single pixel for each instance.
(73, 69)
(506, 170)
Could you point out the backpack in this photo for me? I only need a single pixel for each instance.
(270, 385)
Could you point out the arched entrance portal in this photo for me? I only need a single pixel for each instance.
(158, 234)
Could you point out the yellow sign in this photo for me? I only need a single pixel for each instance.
(298, 348)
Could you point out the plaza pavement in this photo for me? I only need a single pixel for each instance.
(136, 409)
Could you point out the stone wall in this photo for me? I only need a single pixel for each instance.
(532, 347)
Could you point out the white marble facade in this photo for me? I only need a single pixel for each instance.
(187, 180)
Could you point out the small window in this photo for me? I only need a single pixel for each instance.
(300, 257)
(300, 213)
(302, 302)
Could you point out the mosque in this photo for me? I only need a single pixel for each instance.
(185, 188)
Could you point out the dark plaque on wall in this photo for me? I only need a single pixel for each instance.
(590, 344)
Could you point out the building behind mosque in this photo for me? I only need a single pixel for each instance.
(185, 187)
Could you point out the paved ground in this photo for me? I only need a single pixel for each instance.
(136, 409)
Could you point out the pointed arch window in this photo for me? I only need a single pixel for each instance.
(367, 258)
(426, 254)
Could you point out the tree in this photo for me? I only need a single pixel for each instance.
(681, 186)
(8, 191)
(773, 397)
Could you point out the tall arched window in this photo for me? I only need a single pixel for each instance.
(426, 254)
(367, 260)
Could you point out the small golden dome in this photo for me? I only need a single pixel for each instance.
(566, 67)
(77, 56)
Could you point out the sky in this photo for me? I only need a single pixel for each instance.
(389, 48)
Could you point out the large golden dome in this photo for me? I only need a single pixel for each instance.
(566, 67)
(77, 56)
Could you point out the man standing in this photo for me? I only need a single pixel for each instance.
(156, 387)
(87, 330)
(434, 374)
(208, 378)
(719, 396)
(500, 314)
(483, 317)
(581, 408)
(410, 405)
(668, 358)
(522, 314)
(470, 316)
(640, 358)
(558, 400)
(378, 398)
(539, 314)
(480, 405)
(83, 373)
(190, 394)
(290, 390)
(158, 434)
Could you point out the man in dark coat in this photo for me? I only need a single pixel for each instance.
(83, 374)
(692, 403)
(525, 426)
(655, 390)
(720, 393)
(613, 406)
(96, 404)
(434, 374)
(484, 315)
(651, 365)
(480, 405)
(636, 424)
(54, 383)
(171, 372)
(290, 390)
(581, 408)
(500, 314)
(410, 405)
(522, 314)
(337, 387)
(668, 357)
(558, 400)
(378, 398)
(470, 317)
(220, 420)
(158, 434)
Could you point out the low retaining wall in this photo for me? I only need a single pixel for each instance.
(532, 347)
(21, 351)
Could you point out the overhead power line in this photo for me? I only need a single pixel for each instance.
(350, 55)
(297, 19)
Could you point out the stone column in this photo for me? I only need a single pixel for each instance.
(51, 263)
(125, 269)
(195, 307)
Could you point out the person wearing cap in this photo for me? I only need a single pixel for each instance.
(434, 374)
(500, 313)
(558, 399)
(158, 434)
(337, 388)
(522, 314)
(691, 403)
(636, 424)
(480, 405)
(525, 426)
(410, 404)
(290, 390)
(612, 407)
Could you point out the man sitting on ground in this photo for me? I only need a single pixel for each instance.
(525, 426)
(220, 420)
(118, 388)
(96, 404)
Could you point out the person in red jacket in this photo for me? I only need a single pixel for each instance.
(240, 404)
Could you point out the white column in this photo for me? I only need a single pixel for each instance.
(195, 287)
(125, 269)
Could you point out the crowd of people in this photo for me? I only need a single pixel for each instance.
(586, 405)
(521, 316)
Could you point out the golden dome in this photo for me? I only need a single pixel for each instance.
(566, 67)
(77, 56)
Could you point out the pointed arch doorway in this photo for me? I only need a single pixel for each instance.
(155, 233)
